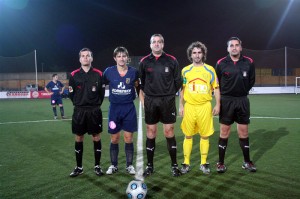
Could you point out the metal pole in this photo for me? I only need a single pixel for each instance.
(285, 63)
(36, 79)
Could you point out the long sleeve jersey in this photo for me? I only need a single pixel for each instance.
(86, 89)
(160, 76)
(235, 78)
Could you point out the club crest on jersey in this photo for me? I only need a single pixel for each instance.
(127, 80)
(205, 76)
(94, 88)
(166, 69)
(70, 89)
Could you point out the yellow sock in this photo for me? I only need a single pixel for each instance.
(204, 147)
(187, 150)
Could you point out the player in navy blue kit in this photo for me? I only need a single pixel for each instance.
(123, 82)
(86, 91)
(56, 88)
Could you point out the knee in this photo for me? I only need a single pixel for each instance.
(151, 133)
(169, 132)
(224, 131)
(115, 138)
(243, 134)
(96, 137)
(79, 138)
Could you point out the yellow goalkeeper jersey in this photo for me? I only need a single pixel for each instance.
(199, 83)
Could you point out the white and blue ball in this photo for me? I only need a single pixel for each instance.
(136, 189)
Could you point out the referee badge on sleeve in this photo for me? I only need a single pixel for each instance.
(244, 73)
(94, 88)
(166, 69)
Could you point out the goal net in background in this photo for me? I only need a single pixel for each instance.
(277, 67)
(18, 73)
(297, 85)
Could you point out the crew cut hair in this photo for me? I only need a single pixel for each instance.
(85, 49)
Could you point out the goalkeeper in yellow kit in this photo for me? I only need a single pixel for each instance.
(199, 82)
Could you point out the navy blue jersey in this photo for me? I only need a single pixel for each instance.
(121, 89)
(56, 88)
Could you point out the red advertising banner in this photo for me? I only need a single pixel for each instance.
(39, 94)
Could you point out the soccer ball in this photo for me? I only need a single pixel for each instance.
(136, 189)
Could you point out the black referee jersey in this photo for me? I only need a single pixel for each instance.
(160, 76)
(235, 78)
(86, 89)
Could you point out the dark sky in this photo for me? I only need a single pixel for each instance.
(58, 29)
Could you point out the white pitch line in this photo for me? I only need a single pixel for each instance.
(38, 121)
(277, 118)
(139, 146)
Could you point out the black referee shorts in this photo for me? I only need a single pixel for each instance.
(234, 109)
(160, 109)
(87, 120)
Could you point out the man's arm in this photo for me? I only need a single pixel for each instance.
(181, 102)
(47, 90)
(252, 76)
(71, 87)
(177, 76)
(62, 89)
(137, 87)
(216, 109)
(142, 97)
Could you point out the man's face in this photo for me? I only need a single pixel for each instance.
(85, 58)
(55, 78)
(121, 59)
(197, 56)
(234, 48)
(157, 45)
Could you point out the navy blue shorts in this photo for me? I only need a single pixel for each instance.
(122, 117)
(56, 101)
(87, 120)
(160, 109)
(234, 109)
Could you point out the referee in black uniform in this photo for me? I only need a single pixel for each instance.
(236, 74)
(160, 80)
(87, 93)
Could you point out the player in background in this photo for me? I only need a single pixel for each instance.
(123, 82)
(199, 82)
(56, 89)
(236, 74)
(86, 91)
(160, 80)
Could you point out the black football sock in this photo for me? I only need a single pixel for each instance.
(244, 144)
(150, 148)
(172, 148)
(114, 152)
(129, 153)
(97, 152)
(78, 153)
(62, 112)
(222, 149)
(54, 111)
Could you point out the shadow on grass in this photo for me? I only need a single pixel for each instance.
(263, 140)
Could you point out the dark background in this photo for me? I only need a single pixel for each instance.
(58, 29)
